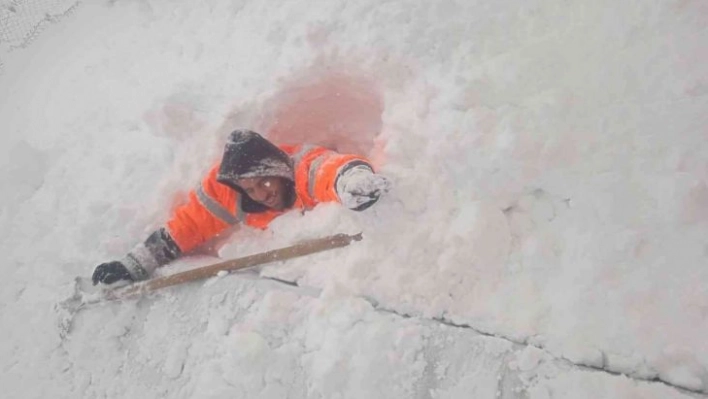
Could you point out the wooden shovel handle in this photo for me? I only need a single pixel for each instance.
(294, 251)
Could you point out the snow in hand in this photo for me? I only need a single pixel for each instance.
(549, 164)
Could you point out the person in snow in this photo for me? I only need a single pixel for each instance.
(255, 182)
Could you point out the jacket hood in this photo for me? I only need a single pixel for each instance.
(247, 154)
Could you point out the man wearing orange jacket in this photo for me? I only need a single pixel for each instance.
(254, 183)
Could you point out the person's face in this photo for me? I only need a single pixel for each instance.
(269, 191)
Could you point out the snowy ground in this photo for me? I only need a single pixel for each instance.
(550, 162)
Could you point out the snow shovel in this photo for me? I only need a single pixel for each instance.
(80, 299)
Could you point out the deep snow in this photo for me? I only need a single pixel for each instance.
(550, 173)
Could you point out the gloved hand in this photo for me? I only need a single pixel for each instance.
(359, 188)
(109, 273)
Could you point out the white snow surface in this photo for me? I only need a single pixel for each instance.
(549, 163)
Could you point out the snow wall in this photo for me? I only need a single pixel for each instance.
(551, 191)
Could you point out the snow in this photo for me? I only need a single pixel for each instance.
(550, 191)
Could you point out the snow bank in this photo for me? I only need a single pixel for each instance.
(551, 187)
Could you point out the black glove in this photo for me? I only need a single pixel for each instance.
(109, 273)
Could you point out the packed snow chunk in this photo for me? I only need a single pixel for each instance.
(479, 234)
(580, 384)
(679, 365)
(578, 353)
(22, 173)
(684, 377)
(247, 359)
(633, 365)
(528, 358)
(352, 351)
(176, 356)
(468, 365)
(248, 345)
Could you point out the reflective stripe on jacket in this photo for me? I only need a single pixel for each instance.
(213, 207)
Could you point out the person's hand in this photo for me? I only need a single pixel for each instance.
(110, 272)
(362, 189)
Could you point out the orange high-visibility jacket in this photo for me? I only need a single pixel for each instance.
(213, 206)
(219, 203)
